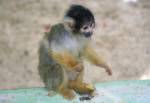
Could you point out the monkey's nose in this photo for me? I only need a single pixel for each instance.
(87, 34)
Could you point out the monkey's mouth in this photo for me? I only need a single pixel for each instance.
(87, 34)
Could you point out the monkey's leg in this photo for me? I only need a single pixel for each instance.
(79, 78)
(56, 80)
(63, 87)
(66, 92)
(80, 87)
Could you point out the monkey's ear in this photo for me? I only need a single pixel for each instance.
(69, 22)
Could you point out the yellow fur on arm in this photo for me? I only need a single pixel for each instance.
(92, 56)
(65, 59)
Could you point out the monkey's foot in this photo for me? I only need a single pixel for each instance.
(83, 88)
(86, 89)
(67, 94)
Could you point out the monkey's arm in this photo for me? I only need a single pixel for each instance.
(67, 60)
(92, 56)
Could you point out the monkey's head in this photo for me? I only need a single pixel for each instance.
(80, 20)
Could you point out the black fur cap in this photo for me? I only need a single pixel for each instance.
(81, 15)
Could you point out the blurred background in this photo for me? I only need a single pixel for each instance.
(121, 37)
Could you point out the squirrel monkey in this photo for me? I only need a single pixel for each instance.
(62, 51)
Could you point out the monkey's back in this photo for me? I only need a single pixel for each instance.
(49, 70)
(45, 49)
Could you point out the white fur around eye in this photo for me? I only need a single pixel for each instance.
(88, 29)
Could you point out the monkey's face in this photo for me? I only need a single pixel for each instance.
(87, 29)
(82, 18)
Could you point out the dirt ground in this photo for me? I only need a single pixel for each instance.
(121, 37)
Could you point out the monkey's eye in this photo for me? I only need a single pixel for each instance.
(85, 27)
(91, 25)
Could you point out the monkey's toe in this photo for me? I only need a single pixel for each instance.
(90, 88)
(85, 89)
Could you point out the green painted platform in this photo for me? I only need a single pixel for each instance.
(108, 92)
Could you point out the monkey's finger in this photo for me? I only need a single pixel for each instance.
(109, 71)
(78, 67)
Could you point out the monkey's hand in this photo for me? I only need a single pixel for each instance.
(107, 69)
(78, 67)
